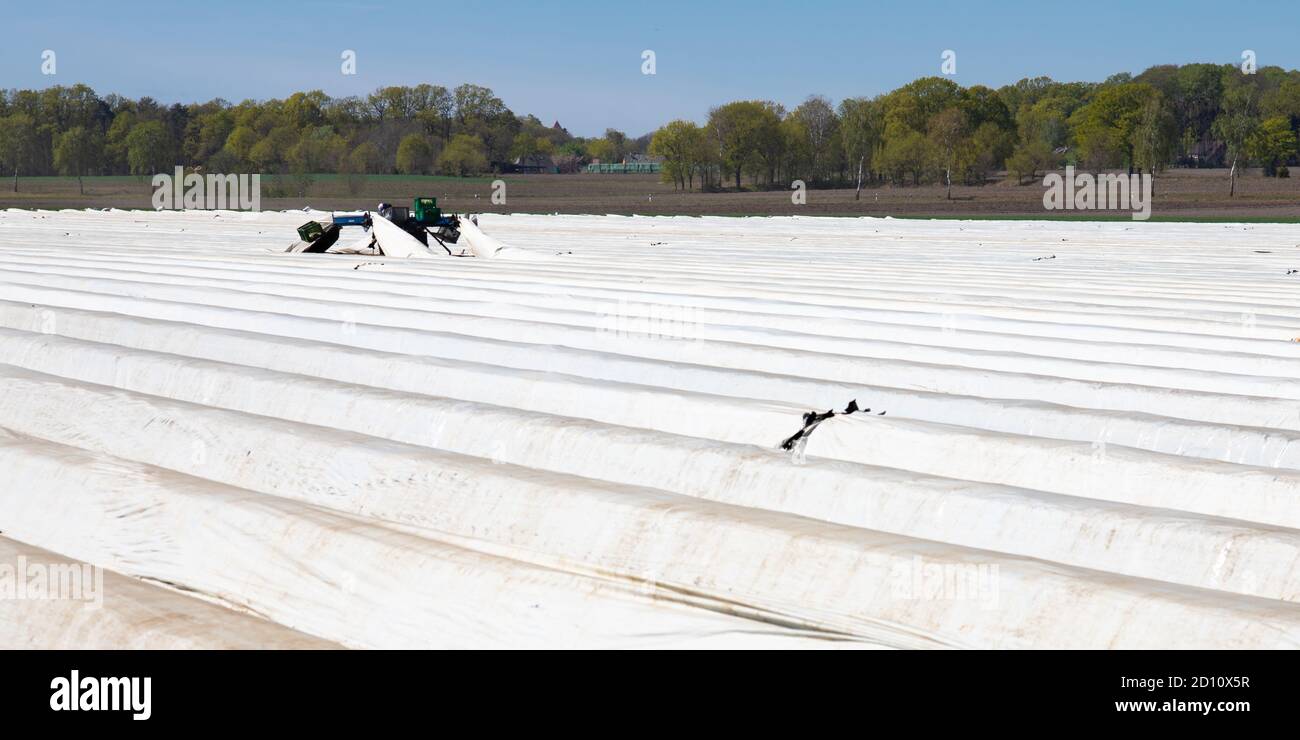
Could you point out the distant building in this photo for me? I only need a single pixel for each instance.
(632, 164)
(626, 168)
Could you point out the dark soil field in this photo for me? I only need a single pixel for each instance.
(1180, 195)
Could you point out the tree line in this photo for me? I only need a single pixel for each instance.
(934, 130)
(930, 130)
(422, 129)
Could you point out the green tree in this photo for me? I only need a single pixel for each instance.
(414, 155)
(319, 149)
(207, 133)
(734, 132)
(1153, 137)
(1235, 126)
(1021, 163)
(463, 156)
(795, 148)
(862, 122)
(352, 168)
(367, 158)
(77, 153)
(1272, 144)
(681, 145)
(527, 145)
(1104, 127)
(115, 142)
(18, 143)
(1046, 121)
(1197, 97)
(304, 110)
(983, 105)
(475, 102)
(821, 127)
(772, 145)
(907, 153)
(911, 106)
(990, 146)
(602, 150)
(618, 140)
(948, 134)
(240, 143)
(436, 109)
(270, 153)
(148, 148)
(1030, 157)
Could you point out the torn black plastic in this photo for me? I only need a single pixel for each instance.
(813, 418)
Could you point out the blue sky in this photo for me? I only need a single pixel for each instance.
(580, 61)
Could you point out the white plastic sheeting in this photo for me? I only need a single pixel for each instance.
(110, 610)
(347, 579)
(1177, 547)
(1093, 451)
(389, 240)
(397, 243)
